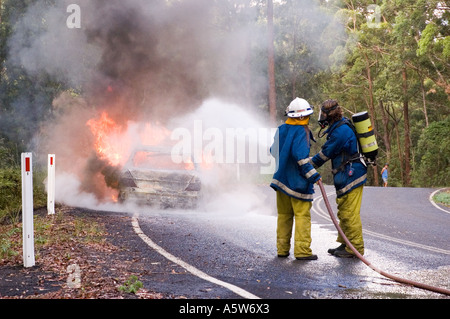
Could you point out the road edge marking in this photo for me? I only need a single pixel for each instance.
(196, 272)
(436, 205)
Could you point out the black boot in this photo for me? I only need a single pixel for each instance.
(343, 254)
(312, 257)
(333, 250)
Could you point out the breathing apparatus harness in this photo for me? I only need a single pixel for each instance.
(367, 132)
(349, 158)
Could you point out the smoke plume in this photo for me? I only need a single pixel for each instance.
(137, 61)
(140, 61)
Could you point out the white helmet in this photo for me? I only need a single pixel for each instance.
(299, 108)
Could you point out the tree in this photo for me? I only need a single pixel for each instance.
(433, 154)
(396, 68)
(271, 62)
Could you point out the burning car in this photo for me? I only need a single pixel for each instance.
(151, 177)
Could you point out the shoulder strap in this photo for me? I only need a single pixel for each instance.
(308, 135)
(342, 122)
(346, 158)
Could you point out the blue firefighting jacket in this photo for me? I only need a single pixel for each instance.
(342, 145)
(294, 175)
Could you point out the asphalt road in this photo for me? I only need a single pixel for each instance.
(227, 249)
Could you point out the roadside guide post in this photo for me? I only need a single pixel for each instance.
(27, 210)
(51, 185)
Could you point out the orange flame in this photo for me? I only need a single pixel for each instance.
(106, 133)
(115, 198)
(115, 143)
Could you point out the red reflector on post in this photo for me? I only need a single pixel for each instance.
(27, 164)
(51, 160)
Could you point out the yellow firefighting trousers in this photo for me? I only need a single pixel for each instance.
(290, 209)
(349, 207)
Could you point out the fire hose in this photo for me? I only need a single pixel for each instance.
(381, 272)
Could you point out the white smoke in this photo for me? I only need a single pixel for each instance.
(42, 42)
(239, 141)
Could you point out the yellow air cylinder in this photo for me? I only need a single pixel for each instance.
(366, 135)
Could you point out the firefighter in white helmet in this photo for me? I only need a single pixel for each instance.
(293, 181)
(299, 108)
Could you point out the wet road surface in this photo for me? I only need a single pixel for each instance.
(405, 235)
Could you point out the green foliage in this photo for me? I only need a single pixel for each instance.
(39, 192)
(9, 248)
(10, 185)
(132, 285)
(446, 45)
(10, 193)
(433, 156)
(443, 198)
(427, 38)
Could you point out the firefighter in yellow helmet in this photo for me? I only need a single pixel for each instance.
(293, 181)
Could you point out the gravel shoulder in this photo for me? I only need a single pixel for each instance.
(105, 264)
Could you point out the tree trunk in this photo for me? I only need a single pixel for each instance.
(424, 101)
(271, 66)
(400, 151)
(396, 122)
(294, 70)
(386, 136)
(407, 139)
(371, 107)
(370, 89)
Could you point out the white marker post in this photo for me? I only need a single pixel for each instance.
(27, 210)
(51, 185)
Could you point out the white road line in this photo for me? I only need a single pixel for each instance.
(436, 205)
(241, 292)
(322, 213)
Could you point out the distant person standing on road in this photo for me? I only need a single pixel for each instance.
(349, 175)
(293, 181)
(384, 175)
